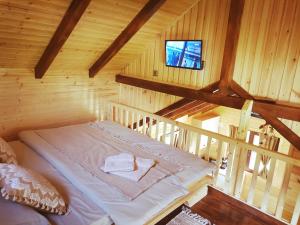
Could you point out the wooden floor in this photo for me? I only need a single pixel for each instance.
(223, 209)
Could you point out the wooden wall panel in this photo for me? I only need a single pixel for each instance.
(207, 20)
(268, 62)
(58, 99)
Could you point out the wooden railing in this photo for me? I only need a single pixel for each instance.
(213, 146)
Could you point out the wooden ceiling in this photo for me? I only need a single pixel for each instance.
(27, 26)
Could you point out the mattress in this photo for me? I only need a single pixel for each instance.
(122, 211)
(82, 210)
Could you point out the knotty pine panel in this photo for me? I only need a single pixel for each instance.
(61, 98)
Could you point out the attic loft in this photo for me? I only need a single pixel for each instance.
(104, 104)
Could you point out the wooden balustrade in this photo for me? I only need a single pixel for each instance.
(212, 146)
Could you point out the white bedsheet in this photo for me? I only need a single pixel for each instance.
(122, 211)
(82, 210)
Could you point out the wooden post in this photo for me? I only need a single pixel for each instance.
(284, 187)
(240, 153)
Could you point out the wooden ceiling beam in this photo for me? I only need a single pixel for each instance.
(183, 110)
(173, 107)
(65, 28)
(231, 42)
(200, 108)
(139, 20)
(281, 128)
(281, 111)
(185, 102)
(270, 114)
(181, 91)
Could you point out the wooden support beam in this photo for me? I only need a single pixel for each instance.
(270, 111)
(286, 132)
(241, 154)
(203, 109)
(174, 106)
(279, 110)
(181, 91)
(231, 42)
(139, 20)
(184, 110)
(65, 28)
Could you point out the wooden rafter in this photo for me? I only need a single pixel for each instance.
(181, 106)
(286, 132)
(185, 107)
(270, 115)
(231, 42)
(281, 111)
(65, 28)
(139, 20)
(181, 91)
(175, 106)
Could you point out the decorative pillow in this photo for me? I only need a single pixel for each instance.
(29, 188)
(7, 154)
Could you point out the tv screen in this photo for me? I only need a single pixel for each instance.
(184, 54)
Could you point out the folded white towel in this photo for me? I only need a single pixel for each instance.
(120, 162)
(142, 168)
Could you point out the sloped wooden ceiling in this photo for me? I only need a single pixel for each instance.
(27, 27)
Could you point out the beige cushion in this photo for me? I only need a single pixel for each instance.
(29, 188)
(7, 154)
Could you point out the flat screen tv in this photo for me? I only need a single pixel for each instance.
(184, 54)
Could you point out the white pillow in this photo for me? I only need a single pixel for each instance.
(7, 154)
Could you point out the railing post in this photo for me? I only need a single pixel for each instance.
(228, 181)
(296, 213)
(254, 179)
(218, 162)
(284, 188)
(241, 153)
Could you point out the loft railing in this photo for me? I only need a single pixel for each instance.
(213, 146)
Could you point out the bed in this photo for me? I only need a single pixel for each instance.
(72, 151)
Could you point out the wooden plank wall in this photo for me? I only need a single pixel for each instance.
(206, 20)
(58, 99)
(268, 62)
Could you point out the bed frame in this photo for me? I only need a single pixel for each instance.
(193, 190)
